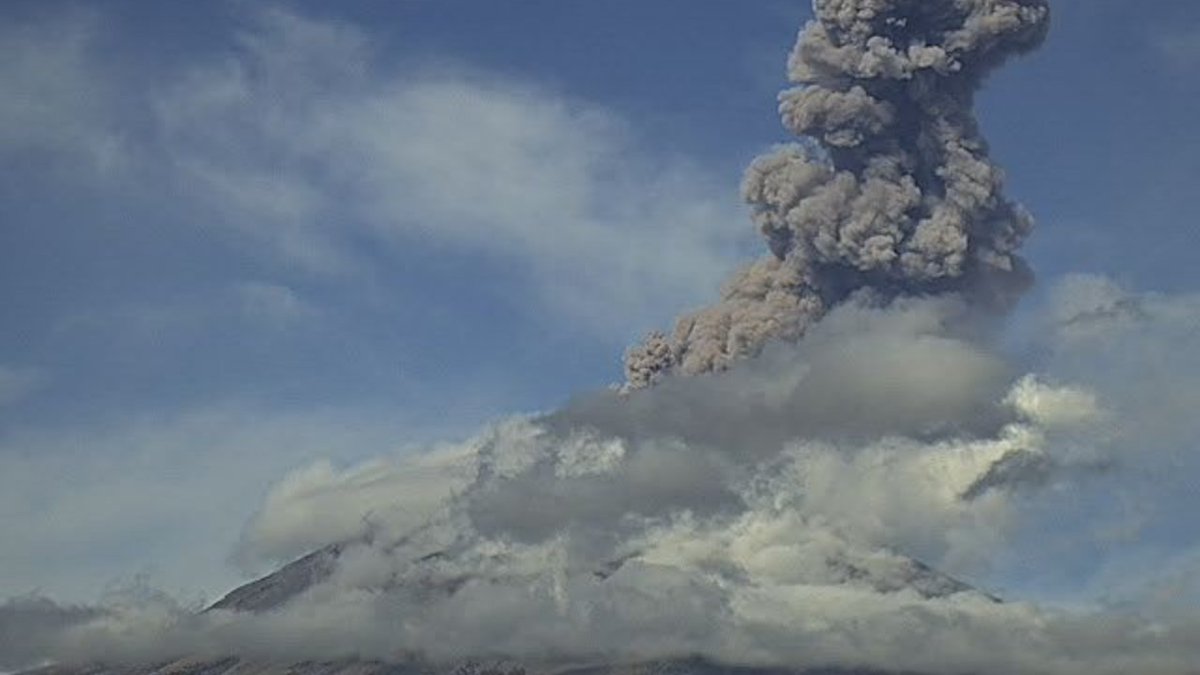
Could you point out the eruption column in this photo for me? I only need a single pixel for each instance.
(890, 192)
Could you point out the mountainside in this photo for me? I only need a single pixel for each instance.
(275, 590)
(236, 666)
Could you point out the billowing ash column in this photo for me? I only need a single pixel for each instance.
(890, 192)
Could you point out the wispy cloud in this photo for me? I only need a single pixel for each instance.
(54, 101)
(18, 382)
(164, 494)
(304, 144)
(273, 303)
(247, 306)
(301, 147)
(1181, 49)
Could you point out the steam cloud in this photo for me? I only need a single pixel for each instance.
(789, 512)
(893, 194)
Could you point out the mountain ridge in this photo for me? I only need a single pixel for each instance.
(273, 591)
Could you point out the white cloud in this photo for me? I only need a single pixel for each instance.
(301, 143)
(321, 504)
(1181, 49)
(151, 324)
(704, 523)
(1053, 406)
(87, 504)
(53, 99)
(635, 527)
(273, 303)
(1139, 351)
(299, 146)
(16, 383)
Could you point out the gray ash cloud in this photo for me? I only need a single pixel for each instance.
(890, 192)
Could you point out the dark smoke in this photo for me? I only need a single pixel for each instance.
(891, 192)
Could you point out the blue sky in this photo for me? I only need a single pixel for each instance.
(237, 237)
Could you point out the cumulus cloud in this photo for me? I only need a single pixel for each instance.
(635, 526)
(961, 635)
(619, 527)
(616, 530)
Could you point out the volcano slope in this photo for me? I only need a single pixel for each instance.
(274, 591)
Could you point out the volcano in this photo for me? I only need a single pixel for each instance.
(274, 591)
(754, 499)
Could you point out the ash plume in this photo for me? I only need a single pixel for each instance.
(890, 193)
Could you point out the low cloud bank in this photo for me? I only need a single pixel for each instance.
(636, 526)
